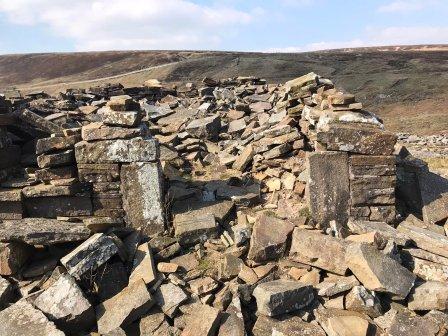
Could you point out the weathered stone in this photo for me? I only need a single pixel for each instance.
(203, 321)
(296, 84)
(243, 160)
(362, 300)
(58, 173)
(425, 239)
(25, 320)
(206, 128)
(355, 139)
(11, 204)
(231, 325)
(329, 193)
(64, 158)
(120, 103)
(164, 267)
(117, 151)
(282, 296)
(429, 295)
(112, 278)
(46, 145)
(229, 267)
(405, 324)
(39, 122)
(427, 270)
(13, 256)
(377, 271)
(169, 297)
(141, 185)
(190, 231)
(338, 322)
(120, 118)
(98, 131)
(269, 237)
(102, 224)
(65, 304)
(90, 255)
(98, 173)
(203, 286)
(59, 206)
(39, 231)
(318, 250)
(434, 197)
(48, 190)
(143, 266)
(292, 326)
(334, 285)
(151, 323)
(124, 308)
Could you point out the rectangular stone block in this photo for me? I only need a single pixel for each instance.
(52, 207)
(98, 172)
(329, 193)
(46, 145)
(141, 185)
(355, 139)
(360, 196)
(59, 173)
(64, 158)
(99, 131)
(117, 151)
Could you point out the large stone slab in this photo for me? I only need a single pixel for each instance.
(434, 196)
(141, 186)
(59, 206)
(203, 321)
(39, 122)
(293, 326)
(387, 231)
(117, 151)
(425, 239)
(90, 255)
(99, 131)
(428, 296)
(269, 237)
(22, 319)
(120, 118)
(281, 296)
(40, 231)
(329, 188)
(46, 145)
(169, 297)
(378, 272)
(143, 266)
(63, 158)
(65, 304)
(319, 250)
(205, 128)
(124, 308)
(192, 230)
(356, 139)
(406, 324)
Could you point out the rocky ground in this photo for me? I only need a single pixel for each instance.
(208, 210)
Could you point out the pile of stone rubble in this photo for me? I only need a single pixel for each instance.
(232, 207)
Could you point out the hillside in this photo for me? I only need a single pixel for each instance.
(406, 86)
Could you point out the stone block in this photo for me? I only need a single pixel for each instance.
(117, 151)
(191, 231)
(120, 118)
(59, 206)
(141, 186)
(59, 173)
(203, 321)
(281, 296)
(65, 158)
(205, 128)
(13, 256)
(99, 131)
(46, 145)
(98, 172)
(143, 266)
(329, 188)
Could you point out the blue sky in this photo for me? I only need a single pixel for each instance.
(243, 25)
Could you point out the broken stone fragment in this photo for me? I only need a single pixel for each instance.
(23, 319)
(429, 295)
(117, 151)
(243, 160)
(362, 227)
(205, 128)
(141, 186)
(124, 308)
(164, 267)
(58, 173)
(229, 267)
(64, 158)
(90, 255)
(267, 243)
(337, 322)
(362, 300)
(203, 321)
(169, 297)
(46, 145)
(406, 324)
(65, 304)
(334, 285)
(379, 272)
(191, 231)
(203, 286)
(41, 231)
(281, 296)
(319, 250)
(143, 266)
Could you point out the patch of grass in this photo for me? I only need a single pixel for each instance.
(205, 264)
(305, 212)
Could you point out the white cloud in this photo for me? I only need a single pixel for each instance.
(390, 36)
(296, 3)
(131, 24)
(400, 6)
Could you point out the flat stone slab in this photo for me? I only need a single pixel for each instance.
(319, 250)
(41, 231)
(117, 151)
(46, 145)
(281, 296)
(22, 319)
